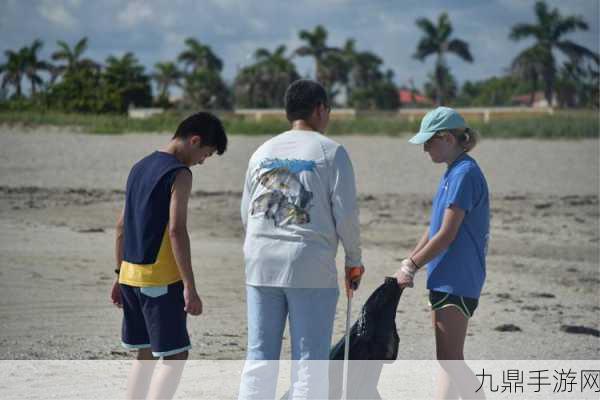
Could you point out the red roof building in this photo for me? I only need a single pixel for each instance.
(409, 97)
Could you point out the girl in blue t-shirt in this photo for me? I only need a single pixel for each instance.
(454, 246)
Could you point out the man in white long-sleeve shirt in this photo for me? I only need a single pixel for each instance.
(299, 201)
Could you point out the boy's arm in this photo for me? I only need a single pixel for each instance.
(120, 232)
(115, 293)
(180, 240)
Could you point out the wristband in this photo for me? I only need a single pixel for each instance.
(413, 262)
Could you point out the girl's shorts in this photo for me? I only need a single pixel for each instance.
(466, 305)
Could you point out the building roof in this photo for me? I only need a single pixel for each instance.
(408, 96)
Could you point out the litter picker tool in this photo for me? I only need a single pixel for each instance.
(354, 277)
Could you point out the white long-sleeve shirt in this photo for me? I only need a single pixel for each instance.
(299, 200)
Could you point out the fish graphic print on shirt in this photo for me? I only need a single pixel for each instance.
(286, 200)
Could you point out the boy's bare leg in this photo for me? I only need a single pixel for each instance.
(167, 376)
(141, 375)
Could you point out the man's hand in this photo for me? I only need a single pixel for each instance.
(115, 294)
(352, 279)
(193, 304)
(406, 274)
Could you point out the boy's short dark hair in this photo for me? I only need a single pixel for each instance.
(205, 125)
(302, 97)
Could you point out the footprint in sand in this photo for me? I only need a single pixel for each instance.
(91, 230)
(581, 330)
(508, 328)
(543, 295)
(503, 296)
(530, 308)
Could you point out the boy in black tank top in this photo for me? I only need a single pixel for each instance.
(155, 285)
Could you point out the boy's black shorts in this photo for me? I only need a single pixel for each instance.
(153, 317)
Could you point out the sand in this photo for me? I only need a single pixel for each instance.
(61, 191)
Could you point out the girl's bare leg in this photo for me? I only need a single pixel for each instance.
(455, 379)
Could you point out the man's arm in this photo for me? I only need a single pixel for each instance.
(345, 209)
(245, 199)
(180, 240)
(115, 293)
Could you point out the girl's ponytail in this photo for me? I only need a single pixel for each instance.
(467, 138)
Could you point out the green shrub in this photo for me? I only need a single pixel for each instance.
(580, 124)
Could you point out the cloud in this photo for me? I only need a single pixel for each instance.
(155, 30)
(58, 13)
(135, 12)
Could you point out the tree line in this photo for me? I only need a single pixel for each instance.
(77, 83)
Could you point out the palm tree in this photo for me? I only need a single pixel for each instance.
(263, 83)
(578, 83)
(125, 76)
(276, 71)
(316, 46)
(202, 82)
(13, 70)
(124, 69)
(441, 84)
(331, 63)
(72, 57)
(33, 64)
(166, 74)
(548, 32)
(366, 68)
(529, 66)
(438, 41)
(205, 88)
(198, 55)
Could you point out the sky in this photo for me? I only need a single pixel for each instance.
(155, 30)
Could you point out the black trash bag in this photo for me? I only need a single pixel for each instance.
(372, 337)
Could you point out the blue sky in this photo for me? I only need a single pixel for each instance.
(155, 30)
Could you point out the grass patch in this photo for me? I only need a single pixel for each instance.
(570, 124)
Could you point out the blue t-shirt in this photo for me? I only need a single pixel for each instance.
(460, 269)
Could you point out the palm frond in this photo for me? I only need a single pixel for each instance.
(461, 49)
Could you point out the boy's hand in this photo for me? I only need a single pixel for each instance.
(193, 304)
(115, 294)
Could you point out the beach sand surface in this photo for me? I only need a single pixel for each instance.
(61, 192)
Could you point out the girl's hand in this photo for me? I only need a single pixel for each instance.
(406, 274)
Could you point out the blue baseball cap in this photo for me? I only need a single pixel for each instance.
(439, 119)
